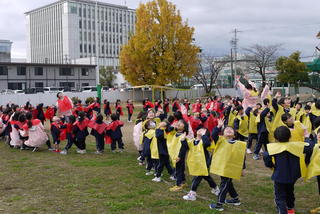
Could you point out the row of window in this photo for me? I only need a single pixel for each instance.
(103, 26)
(22, 85)
(103, 50)
(38, 71)
(104, 38)
(116, 17)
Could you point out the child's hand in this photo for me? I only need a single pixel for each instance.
(278, 94)
(183, 136)
(162, 125)
(177, 159)
(220, 122)
(243, 173)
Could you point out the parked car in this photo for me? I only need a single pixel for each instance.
(52, 90)
(7, 91)
(18, 91)
(34, 90)
(89, 89)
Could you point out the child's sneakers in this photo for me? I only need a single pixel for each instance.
(157, 179)
(149, 173)
(64, 152)
(98, 152)
(233, 201)
(215, 191)
(256, 157)
(81, 151)
(249, 151)
(191, 196)
(35, 149)
(176, 188)
(217, 207)
(172, 178)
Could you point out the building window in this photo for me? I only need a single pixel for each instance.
(3, 70)
(67, 84)
(72, 9)
(89, 25)
(102, 38)
(80, 12)
(102, 26)
(80, 48)
(84, 12)
(84, 84)
(85, 25)
(16, 85)
(80, 24)
(89, 48)
(84, 71)
(85, 48)
(38, 84)
(21, 71)
(66, 72)
(38, 71)
(93, 26)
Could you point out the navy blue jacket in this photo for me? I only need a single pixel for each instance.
(286, 166)
(262, 127)
(162, 142)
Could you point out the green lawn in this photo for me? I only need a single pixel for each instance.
(46, 182)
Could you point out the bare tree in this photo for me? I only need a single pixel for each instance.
(208, 71)
(262, 57)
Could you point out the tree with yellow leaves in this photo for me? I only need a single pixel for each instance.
(161, 50)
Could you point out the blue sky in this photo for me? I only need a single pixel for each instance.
(293, 23)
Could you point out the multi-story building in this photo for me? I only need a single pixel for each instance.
(68, 31)
(5, 50)
(19, 76)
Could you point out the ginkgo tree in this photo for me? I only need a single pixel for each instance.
(161, 51)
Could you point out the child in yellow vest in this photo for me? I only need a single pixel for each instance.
(252, 114)
(288, 161)
(228, 162)
(314, 163)
(280, 107)
(198, 161)
(298, 130)
(149, 139)
(241, 124)
(177, 148)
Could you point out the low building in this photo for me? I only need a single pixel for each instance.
(20, 76)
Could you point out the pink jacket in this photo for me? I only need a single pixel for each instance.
(37, 136)
(250, 97)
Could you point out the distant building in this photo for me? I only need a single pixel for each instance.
(5, 50)
(68, 30)
(19, 76)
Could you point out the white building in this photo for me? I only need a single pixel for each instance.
(5, 50)
(68, 31)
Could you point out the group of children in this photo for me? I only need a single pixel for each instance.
(213, 138)
(23, 127)
(207, 138)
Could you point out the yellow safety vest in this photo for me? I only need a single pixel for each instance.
(277, 122)
(174, 145)
(295, 148)
(243, 125)
(314, 166)
(228, 159)
(307, 122)
(314, 110)
(297, 133)
(151, 134)
(299, 114)
(253, 125)
(196, 159)
(232, 116)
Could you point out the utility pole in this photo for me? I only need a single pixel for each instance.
(97, 37)
(234, 50)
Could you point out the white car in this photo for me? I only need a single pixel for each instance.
(18, 91)
(89, 89)
(52, 90)
(7, 91)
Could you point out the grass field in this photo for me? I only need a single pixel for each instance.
(46, 182)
